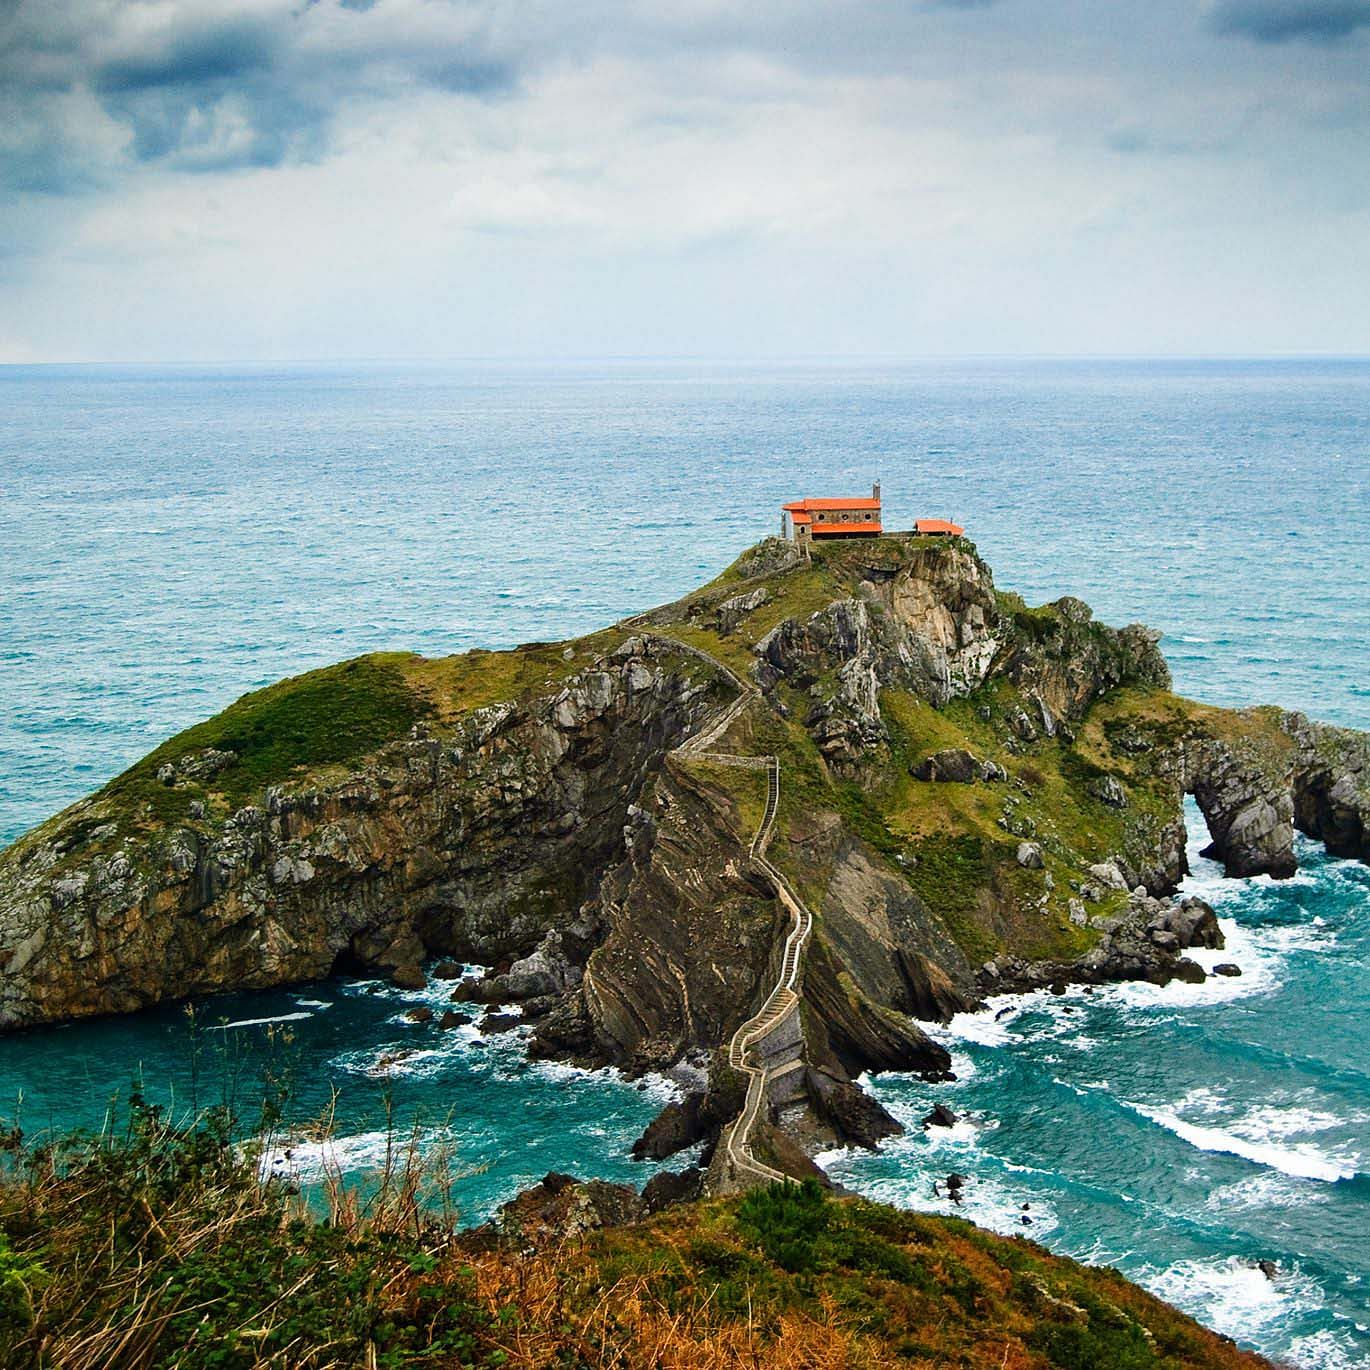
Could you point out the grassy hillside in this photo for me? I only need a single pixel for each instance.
(955, 844)
(157, 1247)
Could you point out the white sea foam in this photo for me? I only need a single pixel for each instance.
(1300, 1160)
(1326, 1350)
(992, 1025)
(397, 1059)
(260, 1022)
(1292, 1122)
(307, 1161)
(314, 1003)
(986, 1200)
(1231, 1295)
(658, 1088)
(1263, 1192)
(1082, 1087)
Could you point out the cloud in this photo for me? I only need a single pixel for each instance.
(213, 85)
(1282, 21)
(409, 177)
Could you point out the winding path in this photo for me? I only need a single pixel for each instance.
(746, 1049)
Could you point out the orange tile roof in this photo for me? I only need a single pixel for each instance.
(809, 505)
(822, 529)
(938, 526)
(798, 515)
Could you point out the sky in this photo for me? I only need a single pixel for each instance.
(196, 180)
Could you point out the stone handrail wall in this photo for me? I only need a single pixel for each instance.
(783, 1000)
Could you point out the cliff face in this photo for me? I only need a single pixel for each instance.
(973, 792)
(474, 843)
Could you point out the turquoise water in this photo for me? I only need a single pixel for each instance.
(171, 538)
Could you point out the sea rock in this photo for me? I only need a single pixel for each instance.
(677, 1126)
(545, 971)
(560, 1208)
(1195, 924)
(1227, 968)
(422, 1014)
(1330, 779)
(941, 1116)
(856, 1118)
(668, 1187)
(1247, 805)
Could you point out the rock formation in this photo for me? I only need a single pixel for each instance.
(978, 796)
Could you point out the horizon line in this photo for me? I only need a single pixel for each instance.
(737, 359)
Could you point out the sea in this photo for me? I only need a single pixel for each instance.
(173, 536)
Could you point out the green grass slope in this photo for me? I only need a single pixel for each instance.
(153, 1246)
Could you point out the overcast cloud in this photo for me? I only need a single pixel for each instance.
(196, 179)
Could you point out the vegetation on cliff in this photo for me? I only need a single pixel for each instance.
(973, 793)
(154, 1246)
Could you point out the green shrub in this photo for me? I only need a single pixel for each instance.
(785, 1220)
(20, 1276)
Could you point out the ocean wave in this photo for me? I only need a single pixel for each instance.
(395, 1058)
(260, 1022)
(1231, 1295)
(1300, 1160)
(1326, 1350)
(311, 1160)
(1269, 1190)
(985, 1199)
(658, 1088)
(1290, 1122)
(992, 1024)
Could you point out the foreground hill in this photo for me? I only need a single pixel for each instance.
(156, 1248)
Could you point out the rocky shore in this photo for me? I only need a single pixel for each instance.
(979, 797)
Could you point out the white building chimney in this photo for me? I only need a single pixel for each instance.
(875, 490)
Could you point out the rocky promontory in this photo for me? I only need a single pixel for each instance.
(977, 796)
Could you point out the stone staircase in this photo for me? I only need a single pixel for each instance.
(769, 1046)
